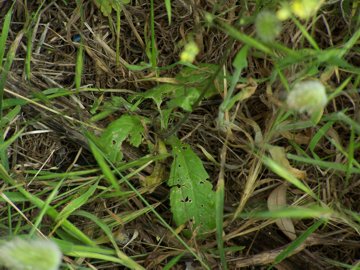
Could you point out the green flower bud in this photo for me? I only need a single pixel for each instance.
(189, 53)
(268, 26)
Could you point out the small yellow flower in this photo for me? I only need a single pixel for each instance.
(304, 9)
(283, 13)
(189, 53)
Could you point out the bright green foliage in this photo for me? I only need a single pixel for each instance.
(191, 195)
(106, 6)
(127, 126)
(199, 78)
(20, 254)
(268, 26)
(184, 98)
(191, 82)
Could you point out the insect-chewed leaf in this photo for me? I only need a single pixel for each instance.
(191, 196)
(126, 126)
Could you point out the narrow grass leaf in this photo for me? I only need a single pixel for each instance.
(8, 142)
(233, 32)
(68, 226)
(75, 204)
(295, 212)
(219, 209)
(3, 76)
(5, 120)
(153, 43)
(306, 34)
(324, 164)
(124, 259)
(168, 9)
(103, 165)
(341, 116)
(284, 173)
(4, 34)
(46, 207)
(9, 59)
(95, 255)
(15, 197)
(79, 65)
(350, 156)
(67, 246)
(319, 134)
(29, 47)
(297, 242)
(173, 261)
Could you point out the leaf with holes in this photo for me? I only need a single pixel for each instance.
(191, 195)
(127, 126)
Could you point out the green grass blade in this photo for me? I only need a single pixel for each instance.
(3, 76)
(281, 171)
(323, 164)
(173, 261)
(79, 65)
(306, 34)
(68, 226)
(5, 120)
(298, 241)
(295, 212)
(8, 142)
(74, 205)
(125, 260)
(233, 32)
(153, 43)
(168, 9)
(118, 29)
(29, 47)
(219, 208)
(67, 246)
(350, 157)
(45, 208)
(4, 34)
(99, 157)
(319, 134)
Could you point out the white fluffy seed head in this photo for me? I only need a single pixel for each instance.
(33, 254)
(307, 96)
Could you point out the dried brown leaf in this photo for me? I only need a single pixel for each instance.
(277, 200)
